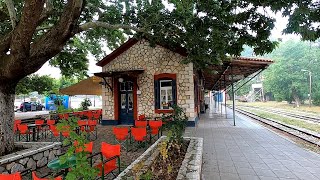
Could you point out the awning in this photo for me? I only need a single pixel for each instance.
(90, 86)
(219, 77)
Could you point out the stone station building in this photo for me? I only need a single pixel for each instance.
(142, 79)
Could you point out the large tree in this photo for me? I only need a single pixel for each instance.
(34, 31)
(285, 79)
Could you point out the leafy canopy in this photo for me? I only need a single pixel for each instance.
(209, 30)
(41, 84)
(285, 79)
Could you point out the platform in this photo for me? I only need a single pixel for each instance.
(249, 151)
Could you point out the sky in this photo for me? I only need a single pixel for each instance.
(276, 33)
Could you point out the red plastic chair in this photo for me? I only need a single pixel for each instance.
(121, 135)
(51, 122)
(54, 132)
(88, 147)
(34, 177)
(15, 176)
(15, 126)
(111, 153)
(139, 135)
(92, 128)
(155, 127)
(82, 124)
(65, 131)
(140, 123)
(142, 117)
(40, 128)
(24, 130)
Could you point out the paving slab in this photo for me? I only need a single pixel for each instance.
(250, 151)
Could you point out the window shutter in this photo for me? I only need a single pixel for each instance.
(174, 91)
(156, 94)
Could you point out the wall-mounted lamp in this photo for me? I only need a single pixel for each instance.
(120, 80)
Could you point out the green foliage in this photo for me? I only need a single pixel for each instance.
(285, 79)
(175, 124)
(85, 104)
(41, 84)
(83, 168)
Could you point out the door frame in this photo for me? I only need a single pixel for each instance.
(116, 91)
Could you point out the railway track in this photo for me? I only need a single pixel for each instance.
(303, 134)
(286, 113)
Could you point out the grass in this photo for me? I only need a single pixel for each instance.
(282, 105)
(302, 124)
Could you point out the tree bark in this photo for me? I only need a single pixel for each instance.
(296, 97)
(7, 94)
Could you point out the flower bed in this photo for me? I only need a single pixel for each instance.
(190, 168)
(35, 155)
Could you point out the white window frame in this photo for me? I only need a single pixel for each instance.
(166, 90)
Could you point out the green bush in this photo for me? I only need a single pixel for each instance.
(85, 104)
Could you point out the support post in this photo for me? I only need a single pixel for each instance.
(225, 102)
(233, 98)
(220, 99)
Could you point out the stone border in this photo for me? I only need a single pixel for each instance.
(191, 165)
(36, 155)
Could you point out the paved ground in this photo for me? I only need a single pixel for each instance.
(249, 151)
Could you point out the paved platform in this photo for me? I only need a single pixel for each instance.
(249, 151)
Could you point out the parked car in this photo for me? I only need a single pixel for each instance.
(31, 106)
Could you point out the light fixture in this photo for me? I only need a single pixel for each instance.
(120, 80)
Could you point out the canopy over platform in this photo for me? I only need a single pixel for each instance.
(219, 77)
(90, 86)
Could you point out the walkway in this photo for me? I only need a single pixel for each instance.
(249, 151)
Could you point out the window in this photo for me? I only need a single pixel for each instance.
(165, 92)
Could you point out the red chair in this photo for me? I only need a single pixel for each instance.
(139, 134)
(24, 130)
(88, 147)
(92, 128)
(51, 122)
(34, 177)
(15, 176)
(142, 117)
(155, 127)
(54, 132)
(140, 123)
(82, 125)
(109, 156)
(40, 126)
(65, 131)
(15, 127)
(121, 135)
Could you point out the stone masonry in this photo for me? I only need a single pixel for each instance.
(154, 60)
(36, 155)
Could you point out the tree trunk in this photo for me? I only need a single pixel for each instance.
(296, 98)
(7, 94)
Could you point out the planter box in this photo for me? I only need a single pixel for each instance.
(190, 168)
(36, 155)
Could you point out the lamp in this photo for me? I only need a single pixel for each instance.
(120, 80)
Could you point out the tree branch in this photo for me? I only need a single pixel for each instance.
(12, 13)
(22, 34)
(54, 40)
(47, 11)
(96, 24)
(5, 43)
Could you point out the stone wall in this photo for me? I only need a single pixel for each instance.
(154, 60)
(37, 155)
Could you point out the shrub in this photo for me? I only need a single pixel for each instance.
(85, 104)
